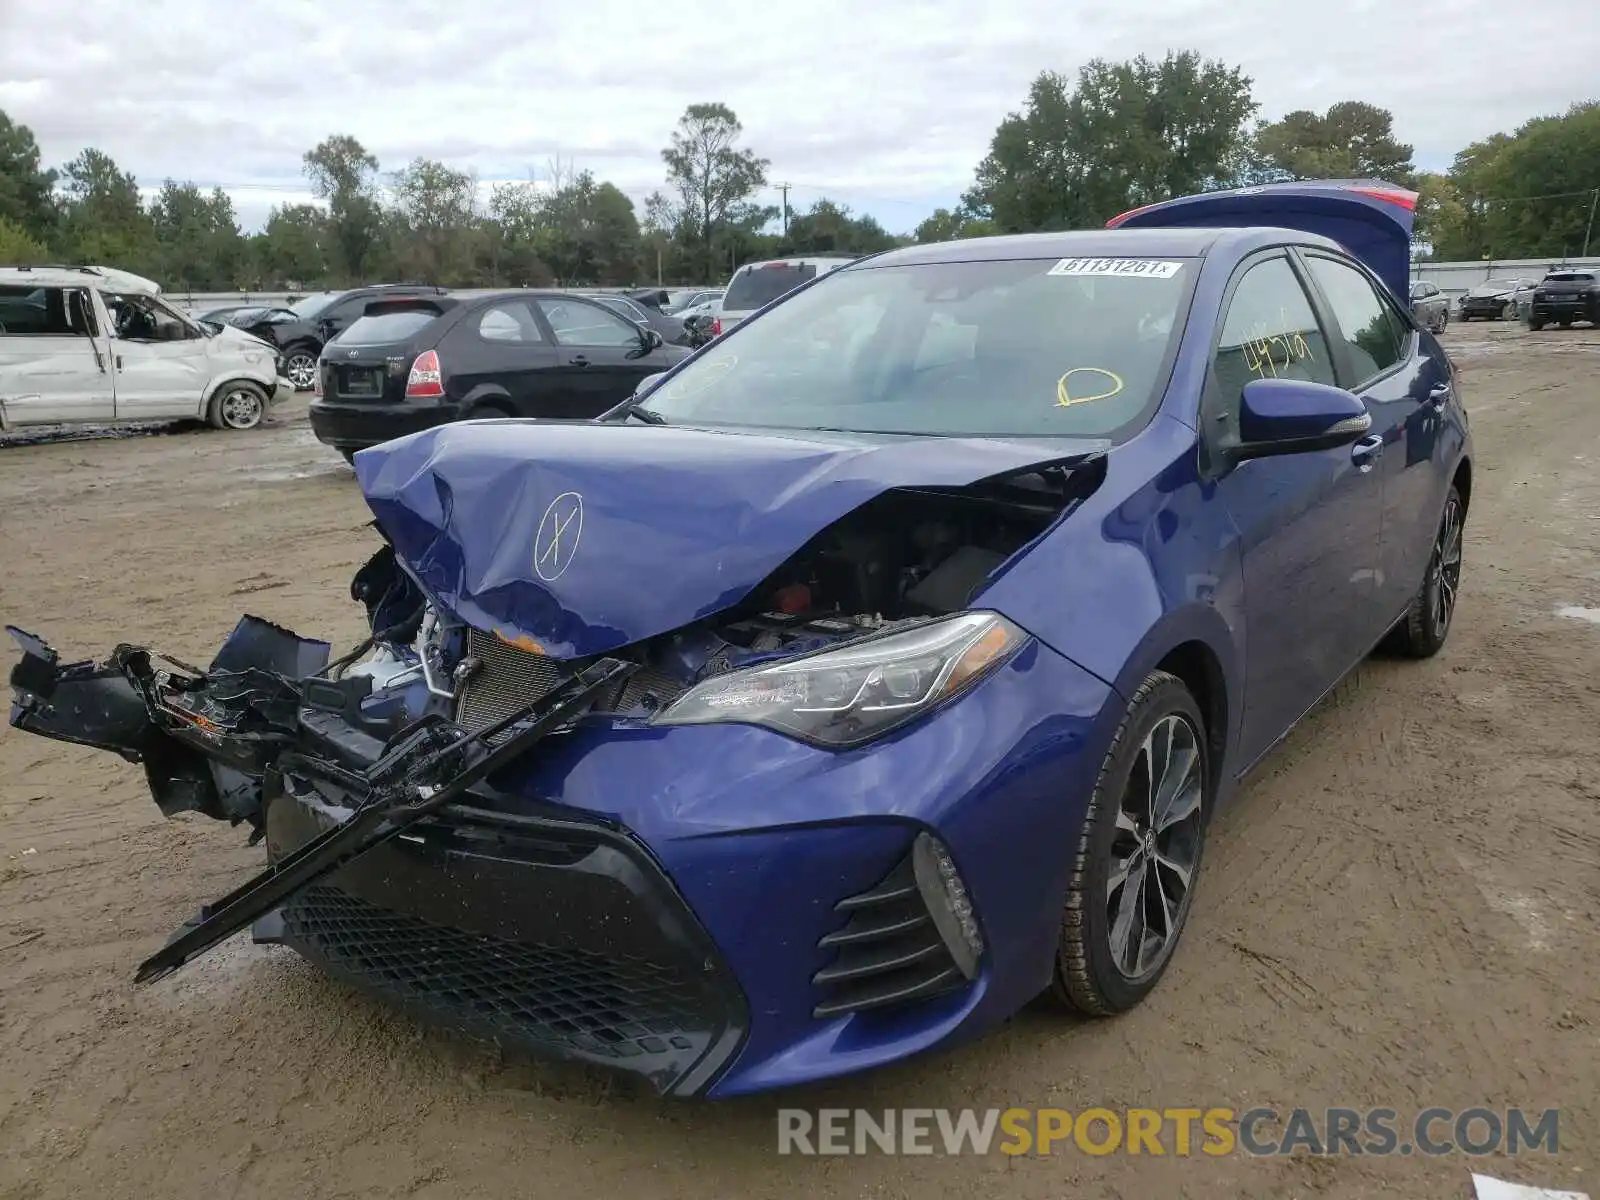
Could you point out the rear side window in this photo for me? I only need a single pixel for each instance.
(755, 287)
(1374, 335)
(509, 323)
(1270, 332)
(35, 312)
(388, 328)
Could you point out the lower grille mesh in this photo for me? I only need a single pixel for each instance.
(572, 1000)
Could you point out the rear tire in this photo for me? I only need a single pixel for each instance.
(1535, 324)
(238, 405)
(300, 367)
(1108, 956)
(1423, 630)
(487, 412)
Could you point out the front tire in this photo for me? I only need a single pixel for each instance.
(300, 368)
(238, 405)
(1138, 854)
(1423, 630)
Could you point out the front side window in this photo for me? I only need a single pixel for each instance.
(1374, 335)
(145, 319)
(1026, 347)
(1269, 332)
(578, 323)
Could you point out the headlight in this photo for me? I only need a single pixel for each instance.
(850, 695)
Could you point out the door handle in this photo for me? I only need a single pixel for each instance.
(119, 362)
(1367, 451)
(578, 360)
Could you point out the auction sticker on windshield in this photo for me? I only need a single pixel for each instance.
(1136, 268)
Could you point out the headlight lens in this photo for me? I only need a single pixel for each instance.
(850, 695)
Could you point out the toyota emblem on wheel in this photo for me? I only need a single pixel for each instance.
(556, 543)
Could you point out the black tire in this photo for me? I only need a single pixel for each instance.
(1566, 322)
(1535, 324)
(488, 412)
(1421, 633)
(348, 455)
(1087, 976)
(238, 405)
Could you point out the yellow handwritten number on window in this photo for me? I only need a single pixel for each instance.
(1065, 398)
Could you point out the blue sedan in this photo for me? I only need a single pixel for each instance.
(874, 670)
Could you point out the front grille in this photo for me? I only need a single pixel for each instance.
(507, 679)
(888, 952)
(576, 1003)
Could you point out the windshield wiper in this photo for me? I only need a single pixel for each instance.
(648, 415)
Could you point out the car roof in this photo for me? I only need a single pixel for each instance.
(72, 276)
(1165, 242)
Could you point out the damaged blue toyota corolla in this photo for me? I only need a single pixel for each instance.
(876, 670)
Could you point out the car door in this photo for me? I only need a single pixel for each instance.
(1407, 384)
(502, 356)
(600, 356)
(159, 361)
(53, 361)
(1308, 524)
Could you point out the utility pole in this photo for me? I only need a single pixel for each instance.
(1594, 199)
(783, 188)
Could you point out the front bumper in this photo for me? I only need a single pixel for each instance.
(355, 426)
(1489, 307)
(551, 934)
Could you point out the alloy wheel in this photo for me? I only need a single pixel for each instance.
(1155, 848)
(1444, 572)
(301, 370)
(241, 409)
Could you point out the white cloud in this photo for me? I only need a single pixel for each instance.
(884, 106)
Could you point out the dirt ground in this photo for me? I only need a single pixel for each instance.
(1400, 909)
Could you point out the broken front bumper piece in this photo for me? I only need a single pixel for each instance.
(212, 742)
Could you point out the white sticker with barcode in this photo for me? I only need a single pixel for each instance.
(1132, 268)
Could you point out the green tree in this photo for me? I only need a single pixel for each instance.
(198, 241)
(1442, 217)
(295, 247)
(1536, 190)
(514, 213)
(345, 175)
(1122, 135)
(25, 188)
(713, 181)
(438, 208)
(946, 225)
(103, 220)
(829, 228)
(18, 247)
(1352, 140)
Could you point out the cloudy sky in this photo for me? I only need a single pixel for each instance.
(884, 106)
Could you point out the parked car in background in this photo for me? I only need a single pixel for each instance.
(222, 316)
(1563, 297)
(413, 362)
(757, 284)
(669, 327)
(685, 299)
(1430, 306)
(1494, 300)
(834, 706)
(301, 330)
(96, 344)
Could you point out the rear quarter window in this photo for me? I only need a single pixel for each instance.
(388, 327)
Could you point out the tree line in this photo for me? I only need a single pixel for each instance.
(1081, 149)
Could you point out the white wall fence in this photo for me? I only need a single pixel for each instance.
(1455, 278)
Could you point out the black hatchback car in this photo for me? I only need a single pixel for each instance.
(412, 363)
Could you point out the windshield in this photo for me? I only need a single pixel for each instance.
(754, 287)
(313, 307)
(1020, 348)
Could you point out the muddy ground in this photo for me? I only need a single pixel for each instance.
(1400, 909)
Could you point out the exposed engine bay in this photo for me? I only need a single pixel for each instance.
(427, 705)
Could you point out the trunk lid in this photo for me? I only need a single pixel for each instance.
(1368, 217)
(575, 539)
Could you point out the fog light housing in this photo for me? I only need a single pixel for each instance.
(948, 903)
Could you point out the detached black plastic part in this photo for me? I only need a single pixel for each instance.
(204, 738)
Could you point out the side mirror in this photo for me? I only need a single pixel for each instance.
(1292, 416)
(651, 340)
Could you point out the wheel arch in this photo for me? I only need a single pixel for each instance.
(1462, 480)
(493, 395)
(258, 379)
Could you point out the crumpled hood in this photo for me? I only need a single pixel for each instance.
(585, 537)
